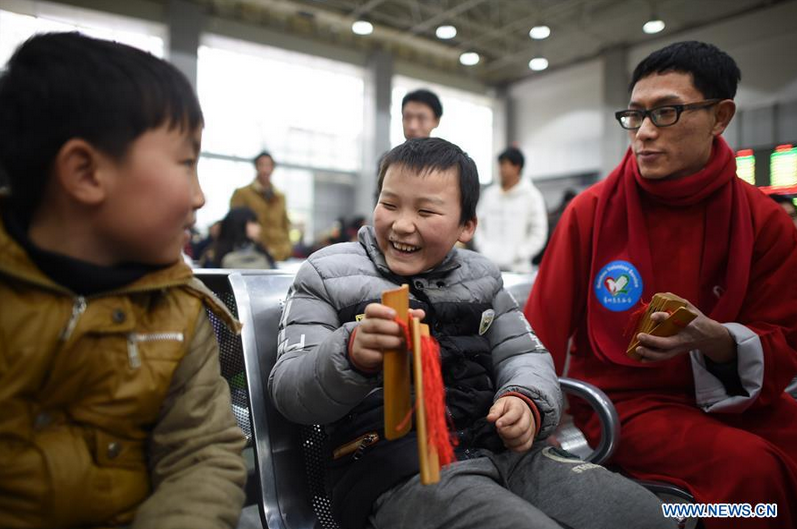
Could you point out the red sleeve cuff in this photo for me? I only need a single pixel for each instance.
(534, 411)
(357, 367)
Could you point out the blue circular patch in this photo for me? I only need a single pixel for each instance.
(618, 286)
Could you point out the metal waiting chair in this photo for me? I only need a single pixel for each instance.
(290, 459)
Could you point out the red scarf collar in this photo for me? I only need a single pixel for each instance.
(620, 237)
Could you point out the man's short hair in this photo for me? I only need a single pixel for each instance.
(714, 73)
(424, 155)
(426, 97)
(513, 156)
(60, 86)
(262, 154)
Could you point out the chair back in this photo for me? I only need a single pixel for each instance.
(231, 356)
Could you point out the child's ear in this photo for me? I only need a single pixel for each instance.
(78, 169)
(467, 230)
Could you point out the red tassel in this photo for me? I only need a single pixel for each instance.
(437, 430)
(435, 401)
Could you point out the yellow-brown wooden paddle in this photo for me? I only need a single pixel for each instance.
(396, 367)
(427, 454)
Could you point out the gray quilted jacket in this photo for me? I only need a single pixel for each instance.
(313, 381)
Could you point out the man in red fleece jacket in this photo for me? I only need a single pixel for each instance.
(704, 409)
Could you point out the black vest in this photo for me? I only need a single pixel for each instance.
(358, 479)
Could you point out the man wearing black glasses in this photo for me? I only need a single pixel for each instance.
(705, 408)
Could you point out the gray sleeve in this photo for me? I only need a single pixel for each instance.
(710, 392)
(313, 381)
(522, 364)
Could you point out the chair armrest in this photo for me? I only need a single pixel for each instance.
(607, 415)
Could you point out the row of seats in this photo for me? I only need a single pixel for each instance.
(287, 478)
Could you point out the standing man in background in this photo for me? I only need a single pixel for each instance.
(269, 205)
(513, 221)
(420, 113)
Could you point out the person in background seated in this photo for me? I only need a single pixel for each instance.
(787, 203)
(201, 244)
(238, 243)
(112, 408)
(269, 205)
(513, 221)
(501, 391)
(704, 409)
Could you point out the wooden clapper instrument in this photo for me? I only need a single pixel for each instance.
(679, 317)
(397, 399)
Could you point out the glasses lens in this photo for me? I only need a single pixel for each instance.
(630, 119)
(664, 116)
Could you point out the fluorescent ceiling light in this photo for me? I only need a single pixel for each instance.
(540, 32)
(653, 25)
(469, 58)
(538, 64)
(362, 27)
(446, 32)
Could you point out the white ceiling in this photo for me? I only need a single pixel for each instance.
(496, 29)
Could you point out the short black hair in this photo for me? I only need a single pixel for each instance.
(262, 154)
(714, 73)
(60, 86)
(424, 155)
(513, 156)
(427, 97)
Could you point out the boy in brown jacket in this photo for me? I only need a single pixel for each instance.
(112, 408)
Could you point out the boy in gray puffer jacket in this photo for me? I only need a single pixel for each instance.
(501, 390)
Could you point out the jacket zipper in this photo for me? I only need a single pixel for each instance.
(78, 308)
(356, 447)
(133, 339)
(367, 441)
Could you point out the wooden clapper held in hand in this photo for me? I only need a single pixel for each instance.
(434, 442)
(679, 317)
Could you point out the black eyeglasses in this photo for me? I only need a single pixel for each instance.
(664, 116)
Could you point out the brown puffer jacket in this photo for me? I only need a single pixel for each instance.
(112, 407)
(272, 214)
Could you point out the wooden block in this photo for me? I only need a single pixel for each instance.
(679, 318)
(427, 455)
(396, 370)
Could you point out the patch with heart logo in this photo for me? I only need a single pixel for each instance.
(618, 286)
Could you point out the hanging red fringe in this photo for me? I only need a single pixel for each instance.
(434, 399)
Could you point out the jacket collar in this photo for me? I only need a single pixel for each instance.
(262, 190)
(367, 238)
(15, 263)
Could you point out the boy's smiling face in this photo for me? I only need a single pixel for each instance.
(153, 194)
(417, 218)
